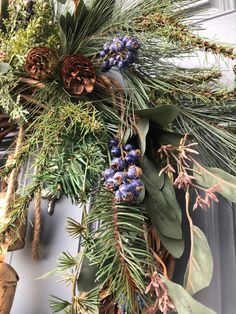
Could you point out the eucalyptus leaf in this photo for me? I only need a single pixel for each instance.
(174, 246)
(142, 129)
(160, 201)
(199, 274)
(163, 115)
(165, 137)
(182, 300)
(209, 177)
(86, 279)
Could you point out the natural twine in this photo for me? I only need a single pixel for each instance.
(37, 225)
(10, 190)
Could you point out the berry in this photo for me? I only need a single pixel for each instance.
(130, 57)
(132, 45)
(117, 57)
(116, 152)
(108, 173)
(112, 61)
(120, 177)
(128, 147)
(106, 47)
(136, 154)
(118, 164)
(134, 172)
(117, 39)
(137, 185)
(102, 54)
(110, 184)
(125, 39)
(118, 196)
(120, 46)
(106, 66)
(130, 160)
(127, 194)
(113, 47)
(122, 64)
(113, 142)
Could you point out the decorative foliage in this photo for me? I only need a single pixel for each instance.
(200, 267)
(117, 144)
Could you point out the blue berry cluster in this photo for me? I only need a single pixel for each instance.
(123, 176)
(121, 52)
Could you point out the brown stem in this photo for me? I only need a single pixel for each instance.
(187, 198)
(33, 82)
(160, 261)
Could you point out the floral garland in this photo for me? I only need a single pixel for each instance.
(109, 121)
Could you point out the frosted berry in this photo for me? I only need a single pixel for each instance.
(118, 164)
(136, 154)
(134, 172)
(127, 194)
(113, 142)
(137, 185)
(106, 47)
(102, 54)
(106, 66)
(128, 147)
(116, 152)
(130, 160)
(108, 173)
(110, 184)
(120, 177)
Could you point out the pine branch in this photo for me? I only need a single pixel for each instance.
(120, 249)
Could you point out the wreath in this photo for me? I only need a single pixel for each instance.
(95, 108)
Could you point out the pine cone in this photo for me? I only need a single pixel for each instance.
(40, 62)
(78, 74)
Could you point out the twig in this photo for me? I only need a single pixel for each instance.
(187, 198)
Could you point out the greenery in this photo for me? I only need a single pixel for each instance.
(182, 120)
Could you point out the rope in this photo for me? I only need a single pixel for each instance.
(11, 190)
(37, 225)
(13, 175)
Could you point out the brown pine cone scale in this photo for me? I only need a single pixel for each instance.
(40, 62)
(78, 74)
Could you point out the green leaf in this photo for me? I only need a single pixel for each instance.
(165, 137)
(162, 115)
(4, 67)
(86, 280)
(160, 201)
(183, 302)
(174, 246)
(209, 177)
(142, 129)
(198, 275)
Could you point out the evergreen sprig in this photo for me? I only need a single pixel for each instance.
(119, 249)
